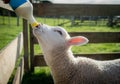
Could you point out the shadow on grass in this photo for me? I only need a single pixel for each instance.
(39, 78)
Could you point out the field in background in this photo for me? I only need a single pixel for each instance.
(89, 27)
(8, 31)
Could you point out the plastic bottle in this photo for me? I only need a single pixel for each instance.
(24, 9)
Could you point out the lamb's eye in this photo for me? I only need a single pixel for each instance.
(58, 31)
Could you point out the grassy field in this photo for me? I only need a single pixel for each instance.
(8, 31)
(41, 75)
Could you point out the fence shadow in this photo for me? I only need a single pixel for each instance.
(39, 78)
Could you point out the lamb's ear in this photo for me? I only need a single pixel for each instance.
(78, 40)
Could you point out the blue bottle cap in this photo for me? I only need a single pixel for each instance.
(16, 3)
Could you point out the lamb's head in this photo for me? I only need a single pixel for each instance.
(52, 38)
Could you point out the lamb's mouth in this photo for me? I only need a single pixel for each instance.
(37, 30)
(38, 27)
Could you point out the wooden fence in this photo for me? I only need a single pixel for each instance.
(65, 10)
(78, 10)
(8, 57)
(10, 54)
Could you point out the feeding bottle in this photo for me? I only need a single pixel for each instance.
(24, 9)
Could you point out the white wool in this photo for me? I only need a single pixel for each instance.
(67, 69)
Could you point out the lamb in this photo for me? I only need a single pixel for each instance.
(65, 68)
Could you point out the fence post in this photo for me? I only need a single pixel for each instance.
(31, 50)
(25, 41)
(18, 22)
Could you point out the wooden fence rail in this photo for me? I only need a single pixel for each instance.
(96, 37)
(8, 57)
(39, 59)
(76, 9)
(19, 73)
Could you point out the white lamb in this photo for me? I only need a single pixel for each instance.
(67, 69)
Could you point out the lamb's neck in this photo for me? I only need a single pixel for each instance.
(62, 64)
(62, 57)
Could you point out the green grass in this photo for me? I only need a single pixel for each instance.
(80, 28)
(42, 75)
(92, 29)
(90, 48)
(97, 48)
(8, 31)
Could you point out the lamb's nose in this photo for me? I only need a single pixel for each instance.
(38, 26)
